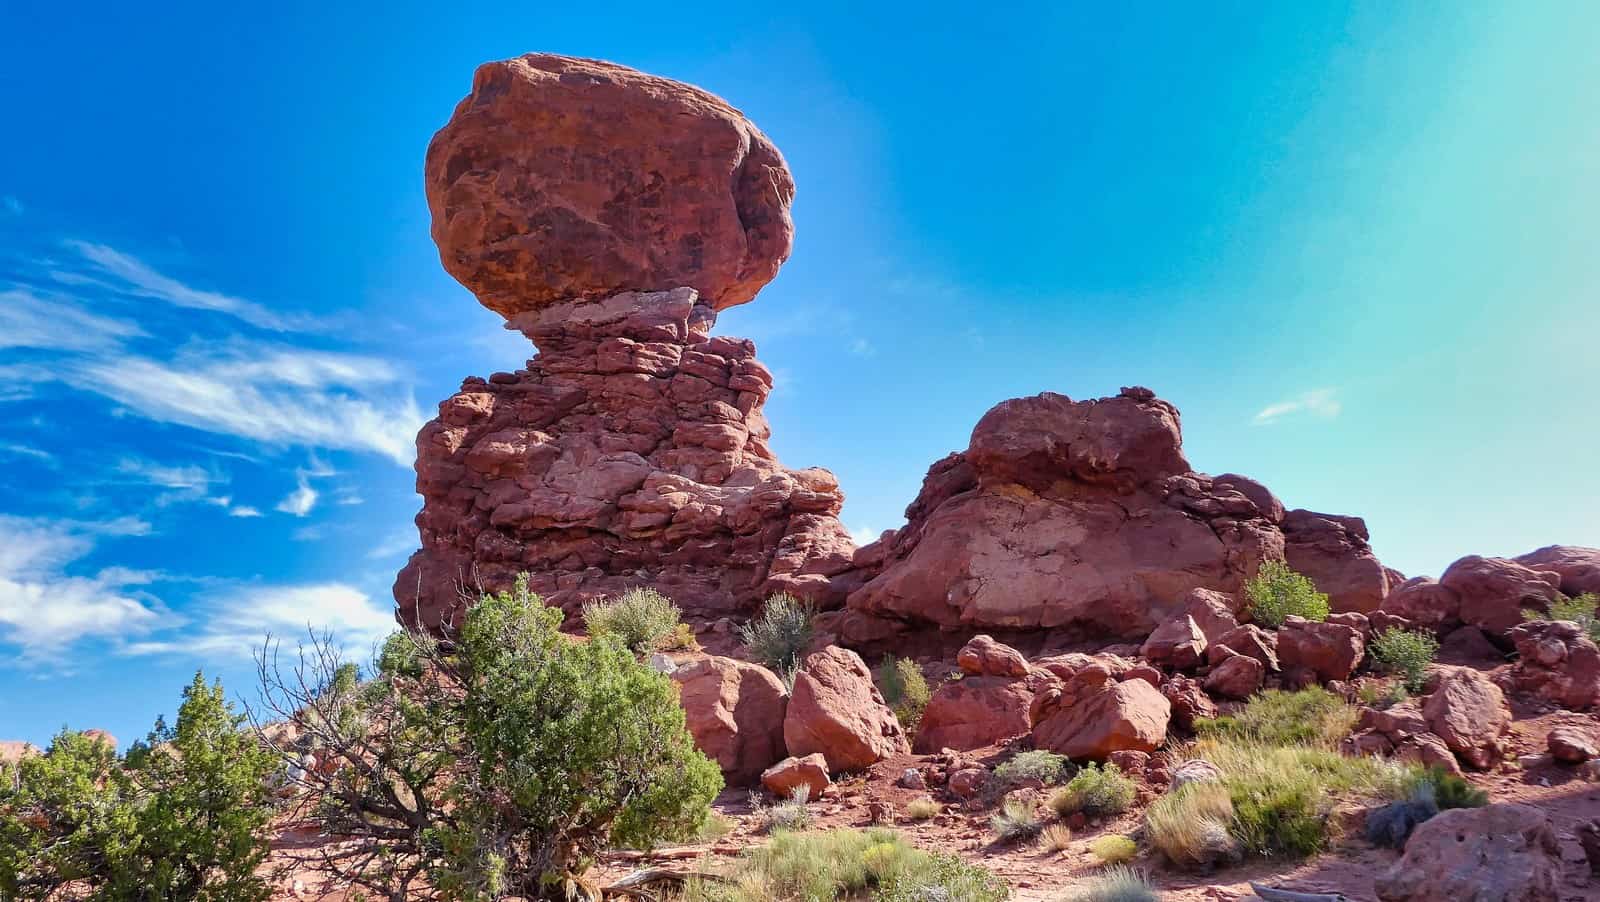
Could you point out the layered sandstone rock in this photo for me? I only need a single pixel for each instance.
(1557, 661)
(608, 215)
(561, 178)
(1578, 567)
(1085, 515)
(1493, 592)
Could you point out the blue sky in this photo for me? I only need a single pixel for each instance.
(1355, 244)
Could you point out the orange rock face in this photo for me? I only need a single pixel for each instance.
(837, 711)
(561, 178)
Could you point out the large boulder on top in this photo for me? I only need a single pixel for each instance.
(1082, 515)
(983, 656)
(1091, 716)
(1425, 602)
(1468, 711)
(560, 178)
(1178, 644)
(974, 712)
(1494, 591)
(734, 710)
(836, 710)
(1578, 567)
(1498, 853)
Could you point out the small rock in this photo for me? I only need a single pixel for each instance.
(968, 782)
(783, 778)
(1571, 745)
(911, 778)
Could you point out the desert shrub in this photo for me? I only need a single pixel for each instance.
(1404, 653)
(1036, 764)
(779, 636)
(1192, 826)
(786, 814)
(1277, 591)
(923, 809)
(1055, 838)
(1579, 610)
(825, 866)
(181, 817)
(1114, 848)
(1446, 789)
(905, 689)
(1117, 884)
(1015, 821)
(643, 619)
(1312, 716)
(1095, 790)
(499, 764)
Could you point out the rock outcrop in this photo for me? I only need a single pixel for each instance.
(1090, 715)
(1468, 712)
(734, 710)
(1507, 853)
(561, 178)
(1578, 567)
(1557, 661)
(1493, 592)
(836, 710)
(1086, 516)
(608, 215)
(974, 712)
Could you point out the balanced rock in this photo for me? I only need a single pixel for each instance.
(836, 710)
(561, 178)
(1178, 643)
(734, 710)
(1505, 853)
(1085, 515)
(1333, 552)
(1214, 612)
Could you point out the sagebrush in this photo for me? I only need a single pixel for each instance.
(1579, 610)
(1096, 790)
(779, 635)
(1046, 768)
(1404, 653)
(905, 689)
(1276, 592)
(643, 619)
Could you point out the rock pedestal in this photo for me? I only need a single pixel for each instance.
(631, 451)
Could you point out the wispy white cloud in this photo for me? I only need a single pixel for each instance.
(57, 324)
(269, 393)
(141, 280)
(236, 621)
(864, 535)
(1322, 402)
(17, 449)
(299, 502)
(243, 510)
(44, 609)
(862, 347)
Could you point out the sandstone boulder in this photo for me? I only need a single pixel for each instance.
(13, 751)
(1085, 515)
(1215, 613)
(1494, 592)
(560, 178)
(1468, 712)
(1504, 853)
(1330, 651)
(1333, 551)
(1425, 602)
(1250, 640)
(1238, 677)
(1085, 720)
(1579, 568)
(1557, 661)
(1188, 700)
(1178, 644)
(735, 712)
(974, 712)
(783, 778)
(1569, 744)
(982, 656)
(836, 710)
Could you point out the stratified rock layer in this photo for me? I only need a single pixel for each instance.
(1086, 515)
(561, 178)
(631, 452)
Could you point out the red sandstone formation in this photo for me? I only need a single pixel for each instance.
(609, 214)
(1086, 515)
(561, 178)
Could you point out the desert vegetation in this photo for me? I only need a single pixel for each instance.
(778, 636)
(1277, 592)
(905, 689)
(1405, 654)
(1579, 609)
(644, 620)
(1095, 790)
